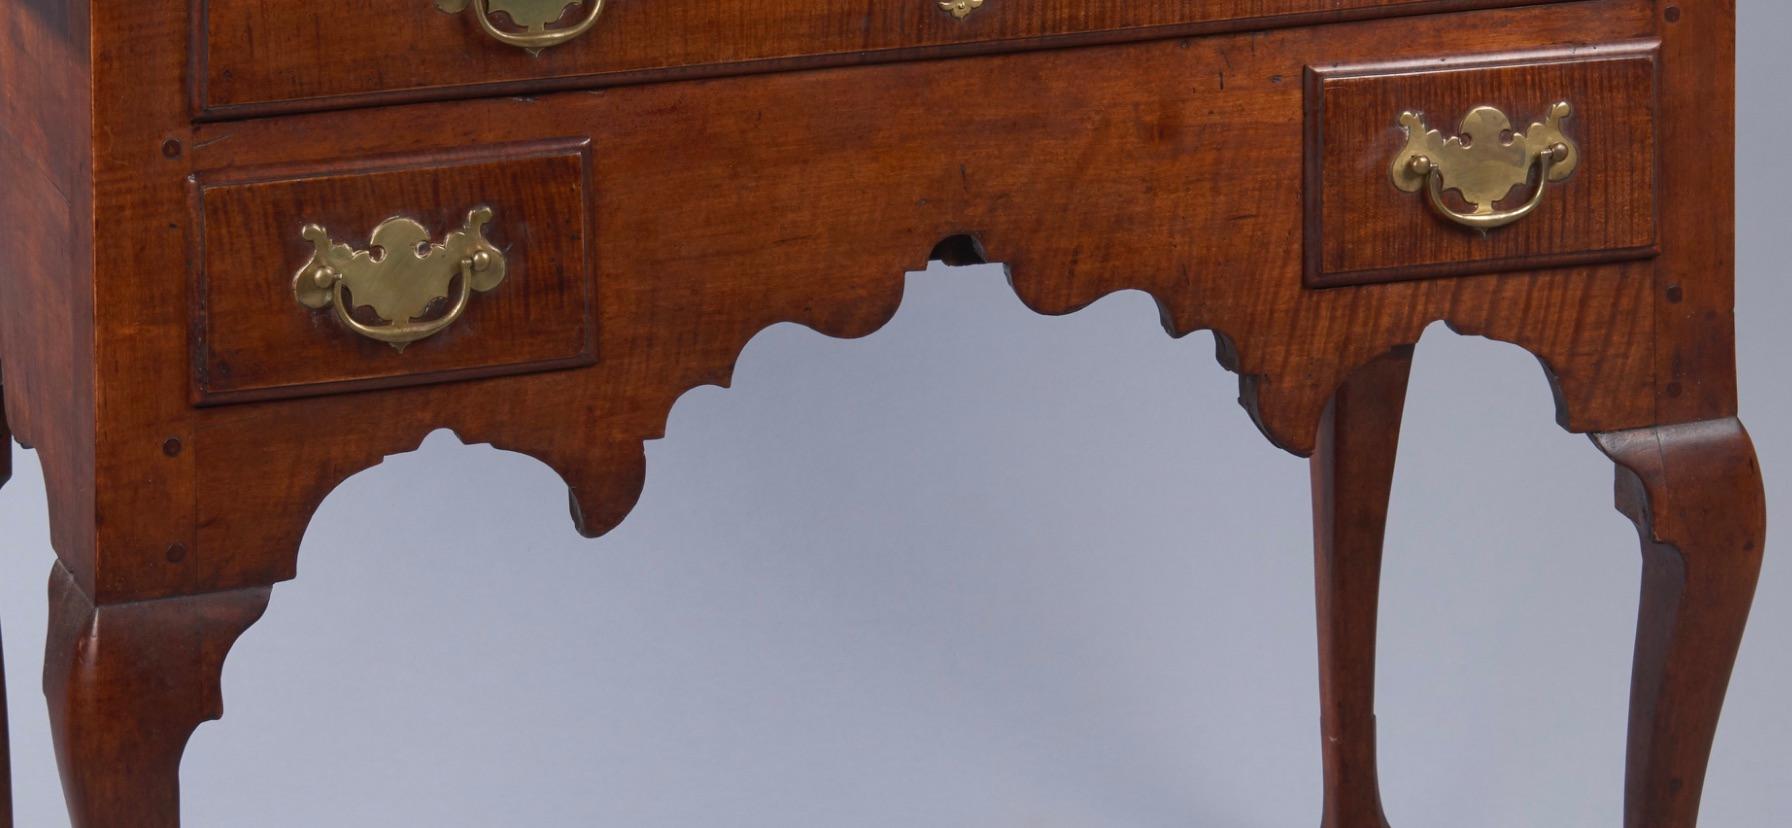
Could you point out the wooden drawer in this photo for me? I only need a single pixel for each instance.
(265, 327)
(258, 56)
(1363, 225)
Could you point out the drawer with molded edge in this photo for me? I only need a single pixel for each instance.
(393, 271)
(1446, 168)
(258, 57)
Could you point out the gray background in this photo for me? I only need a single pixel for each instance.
(983, 568)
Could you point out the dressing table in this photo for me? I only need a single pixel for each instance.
(255, 246)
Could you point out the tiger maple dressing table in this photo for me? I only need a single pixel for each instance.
(255, 246)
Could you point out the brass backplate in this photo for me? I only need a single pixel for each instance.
(961, 9)
(533, 15)
(1485, 160)
(400, 276)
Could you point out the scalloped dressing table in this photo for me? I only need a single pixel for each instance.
(257, 245)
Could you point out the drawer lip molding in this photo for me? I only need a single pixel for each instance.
(1630, 235)
(551, 323)
(923, 33)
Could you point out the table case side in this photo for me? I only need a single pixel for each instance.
(46, 267)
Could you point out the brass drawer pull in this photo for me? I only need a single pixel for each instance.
(961, 9)
(401, 282)
(1484, 163)
(533, 16)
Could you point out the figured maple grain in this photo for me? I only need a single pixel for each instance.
(723, 206)
(256, 56)
(1694, 492)
(46, 291)
(1353, 476)
(1695, 285)
(46, 330)
(255, 341)
(1361, 228)
(126, 686)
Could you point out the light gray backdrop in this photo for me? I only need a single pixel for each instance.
(982, 569)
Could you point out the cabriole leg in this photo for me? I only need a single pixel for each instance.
(1694, 491)
(5, 735)
(1353, 472)
(127, 684)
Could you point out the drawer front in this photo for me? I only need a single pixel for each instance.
(397, 271)
(1386, 200)
(256, 56)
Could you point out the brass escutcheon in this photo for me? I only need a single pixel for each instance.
(533, 16)
(402, 279)
(1484, 162)
(961, 9)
